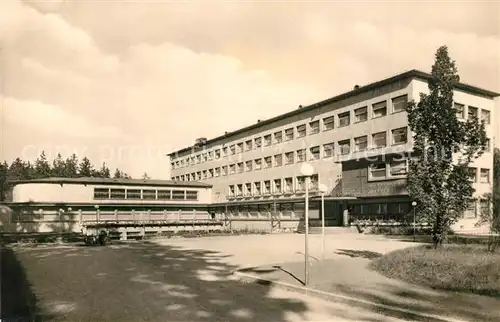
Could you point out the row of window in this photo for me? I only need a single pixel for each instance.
(379, 109)
(144, 194)
(472, 112)
(484, 175)
(279, 186)
(345, 147)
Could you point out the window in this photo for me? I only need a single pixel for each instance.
(277, 186)
(204, 157)
(328, 150)
(268, 140)
(164, 194)
(133, 193)
(232, 149)
(278, 160)
(472, 112)
(379, 109)
(239, 189)
(258, 142)
(472, 173)
(258, 164)
(379, 140)
(248, 189)
(232, 190)
(191, 195)
(268, 162)
(471, 206)
(210, 155)
(248, 166)
(217, 172)
(278, 137)
(399, 136)
(398, 168)
(257, 190)
(361, 114)
(487, 146)
(484, 206)
(224, 170)
(204, 174)
(399, 103)
(315, 153)
(485, 176)
(198, 158)
(198, 175)
(289, 134)
(289, 158)
(301, 184)
(486, 116)
(149, 194)
(267, 187)
(239, 167)
(377, 171)
(314, 127)
(288, 185)
(101, 193)
(345, 147)
(248, 145)
(173, 165)
(344, 119)
(117, 193)
(328, 123)
(301, 155)
(232, 169)
(217, 154)
(314, 182)
(361, 143)
(301, 131)
(459, 110)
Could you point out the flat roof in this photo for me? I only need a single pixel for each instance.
(115, 181)
(409, 74)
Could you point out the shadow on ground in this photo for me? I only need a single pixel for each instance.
(358, 253)
(132, 282)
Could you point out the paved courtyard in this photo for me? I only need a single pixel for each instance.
(172, 280)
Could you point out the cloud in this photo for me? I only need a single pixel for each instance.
(39, 117)
(155, 76)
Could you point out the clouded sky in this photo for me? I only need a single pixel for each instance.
(128, 81)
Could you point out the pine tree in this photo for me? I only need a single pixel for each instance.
(71, 167)
(85, 168)
(58, 166)
(118, 174)
(442, 188)
(104, 171)
(42, 167)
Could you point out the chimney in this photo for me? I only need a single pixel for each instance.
(258, 121)
(356, 87)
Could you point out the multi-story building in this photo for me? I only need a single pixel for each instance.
(351, 140)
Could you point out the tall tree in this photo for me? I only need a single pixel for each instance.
(58, 166)
(71, 167)
(42, 167)
(4, 170)
(145, 176)
(28, 171)
(441, 187)
(104, 172)
(118, 174)
(16, 170)
(85, 168)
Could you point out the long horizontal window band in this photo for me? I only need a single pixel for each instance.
(35, 207)
(144, 194)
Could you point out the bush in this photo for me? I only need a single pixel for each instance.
(464, 268)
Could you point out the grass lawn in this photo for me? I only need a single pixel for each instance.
(462, 268)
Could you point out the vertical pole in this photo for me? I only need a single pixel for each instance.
(323, 224)
(414, 223)
(306, 245)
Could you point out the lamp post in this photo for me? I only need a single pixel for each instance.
(414, 204)
(322, 189)
(306, 170)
